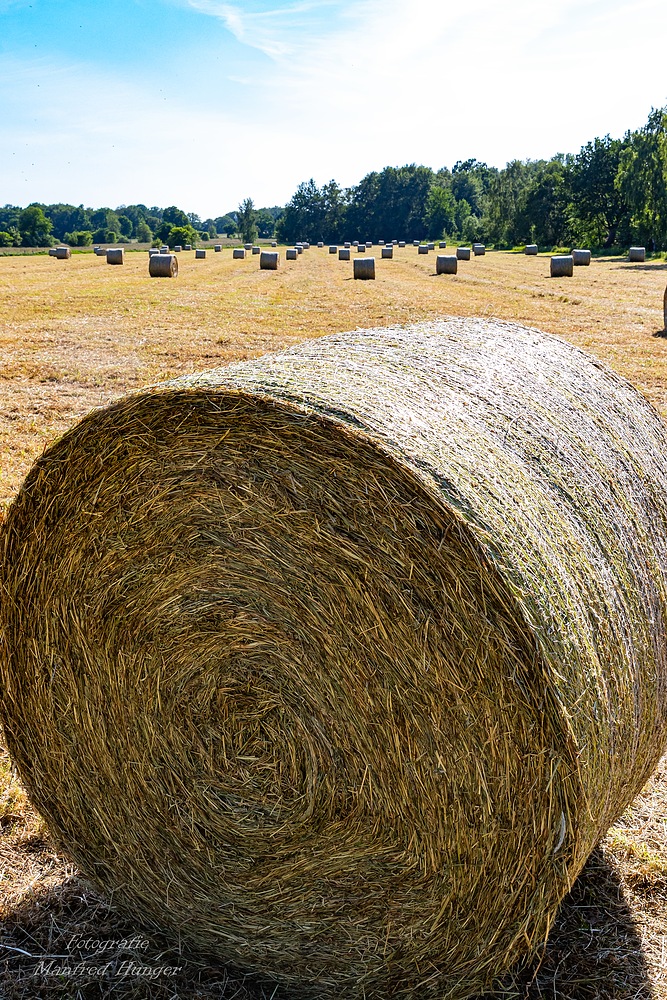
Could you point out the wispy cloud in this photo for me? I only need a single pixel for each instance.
(279, 32)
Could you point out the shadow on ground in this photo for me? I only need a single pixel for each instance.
(68, 942)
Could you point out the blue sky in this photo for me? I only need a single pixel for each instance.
(201, 103)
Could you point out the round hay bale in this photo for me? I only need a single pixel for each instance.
(347, 245)
(361, 248)
(368, 245)
(238, 253)
(115, 255)
(338, 663)
(291, 253)
(101, 252)
(415, 243)
(637, 254)
(165, 249)
(356, 243)
(52, 251)
(446, 264)
(274, 243)
(530, 249)
(562, 266)
(431, 246)
(344, 253)
(63, 253)
(387, 253)
(268, 260)
(200, 254)
(217, 248)
(478, 249)
(151, 251)
(463, 253)
(163, 265)
(442, 245)
(299, 249)
(581, 258)
(256, 250)
(422, 248)
(320, 244)
(364, 268)
(177, 249)
(306, 246)
(188, 246)
(401, 243)
(247, 246)
(333, 249)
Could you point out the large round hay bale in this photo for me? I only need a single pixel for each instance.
(446, 264)
(200, 254)
(364, 268)
(479, 249)
(581, 258)
(442, 245)
(320, 244)
(530, 249)
(562, 266)
(401, 244)
(338, 663)
(115, 255)
(422, 248)
(268, 260)
(178, 249)
(256, 250)
(291, 253)
(52, 251)
(637, 254)
(63, 253)
(164, 249)
(163, 265)
(238, 253)
(387, 252)
(463, 253)
(361, 248)
(344, 253)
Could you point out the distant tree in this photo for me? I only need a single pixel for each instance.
(545, 214)
(6, 238)
(82, 238)
(143, 233)
(226, 224)
(266, 224)
(599, 205)
(34, 227)
(642, 178)
(211, 230)
(247, 221)
(175, 217)
(194, 220)
(181, 235)
(440, 212)
(125, 225)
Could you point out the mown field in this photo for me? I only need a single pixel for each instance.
(76, 334)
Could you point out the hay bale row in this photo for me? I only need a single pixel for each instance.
(562, 266)
(364, 268)
(337, 664)
(163, 265)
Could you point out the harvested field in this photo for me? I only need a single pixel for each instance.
(72, 338)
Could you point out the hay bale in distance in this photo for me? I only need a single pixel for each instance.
(52, 251)
(401, 244)
(178, 249)
(387, 252)
(247, 246)
(347, 245)
(562, 266)
(361, 248)
(446, 264)
(200, 254)
(165, 249)
(530, 249)
(431, 246)
(217, 248)
(268, 260)
(298, 248)
(581, 258)
(115, 255)
(188, 246)
(422, 248)
(101, 252)
(256, 250)
(284, 620)
(442, 245)
(463, 253)
(238, 253)
(333, 249)
(344, 253)
(163, 265)
(274, 243)
(63, 253)
(320, 244)
(291, 253)
(364, 268)
(637, 254)
(415, 243)
(368, 245)
(478, 249)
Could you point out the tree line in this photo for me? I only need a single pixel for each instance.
(610, 194)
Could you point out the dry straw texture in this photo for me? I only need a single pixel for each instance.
(338, 663)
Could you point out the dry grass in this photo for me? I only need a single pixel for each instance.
(76, 333)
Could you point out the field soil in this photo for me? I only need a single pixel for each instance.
(79, 333)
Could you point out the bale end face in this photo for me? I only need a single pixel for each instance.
(268, 260)
(163, 265)
(364, 268)
(446, 264)
(562, 266)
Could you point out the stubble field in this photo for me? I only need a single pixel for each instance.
(79, 333)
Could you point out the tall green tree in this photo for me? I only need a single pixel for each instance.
(599, 204)
(642, 178)
(247, 220)
(34, 227)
